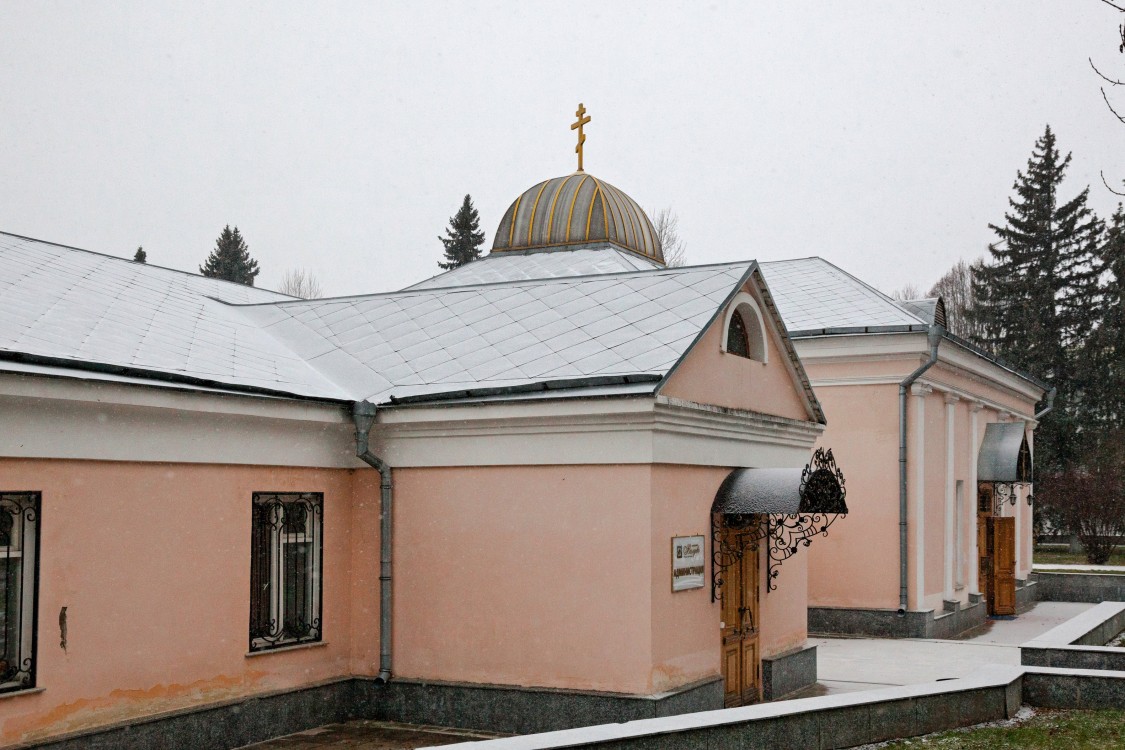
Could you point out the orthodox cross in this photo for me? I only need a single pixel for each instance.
(583, 118)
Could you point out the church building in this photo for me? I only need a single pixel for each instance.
(562, 485)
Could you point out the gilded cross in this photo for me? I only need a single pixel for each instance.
(583, 118)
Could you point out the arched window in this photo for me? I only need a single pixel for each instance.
(736, 336)
(745, 334)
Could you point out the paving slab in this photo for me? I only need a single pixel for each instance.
(851, 664)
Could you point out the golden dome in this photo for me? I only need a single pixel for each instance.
(578, 209)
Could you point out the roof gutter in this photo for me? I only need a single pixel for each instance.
(933, 338)
(363, 413)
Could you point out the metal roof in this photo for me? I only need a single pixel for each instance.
(623, 332)
(1004, 454)
(459, 341)
(812, 295)
(512, 266)
(576, 209)
(747, 491)
(815, 296)
(60, 304)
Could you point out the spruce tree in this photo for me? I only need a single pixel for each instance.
(1104, 355)
(140, 256)
(464, 238)
(1036, 298)
(231, 259)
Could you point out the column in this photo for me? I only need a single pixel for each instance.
(974, 450)
(1019, 496)
(918, 508)
(950, 489)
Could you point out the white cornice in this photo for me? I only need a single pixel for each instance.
(605, 431)
(61, 418)
(909, 348)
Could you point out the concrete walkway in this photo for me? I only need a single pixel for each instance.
(850, 664)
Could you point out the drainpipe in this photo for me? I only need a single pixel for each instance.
(933, 337)
(363, 413)
(1050, 404)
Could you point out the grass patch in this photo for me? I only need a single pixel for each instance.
(1046, 730)
(1062, 557)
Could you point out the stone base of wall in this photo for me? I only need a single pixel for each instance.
(517, 710)
(219, 726)
(1027, 594)
(888, 623)
(787, 673)
(230, 724)
(1079, 587)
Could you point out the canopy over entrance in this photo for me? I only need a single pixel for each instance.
(1004, 455)
(813, 489)
(780, 508)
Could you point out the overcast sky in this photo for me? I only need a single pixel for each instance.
(340, 137)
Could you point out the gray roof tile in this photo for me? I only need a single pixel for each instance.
(69, 304)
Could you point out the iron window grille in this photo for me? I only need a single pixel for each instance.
(286, 563)
(19, 585)
(738, 342)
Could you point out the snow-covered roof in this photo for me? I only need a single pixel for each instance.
(509, 266)
(817, 297)
(486, 337)
(61, 304)
(69, 308)
(812, 295)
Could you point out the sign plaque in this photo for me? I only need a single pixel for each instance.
(687, 562)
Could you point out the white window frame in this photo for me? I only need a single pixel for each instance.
(754, 321)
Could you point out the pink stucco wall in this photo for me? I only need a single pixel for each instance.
(152, 562)
(709, 375)
(857, 565)
(561, 577)
(532, 576)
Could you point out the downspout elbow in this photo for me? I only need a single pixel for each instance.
(363, 414)
(933, 338)
(1050, 404)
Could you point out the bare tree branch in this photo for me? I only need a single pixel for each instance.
(298, 282)
(1111, 109)
(1103, 76)
(667, 226)
(1107, 187)
(1116, 7)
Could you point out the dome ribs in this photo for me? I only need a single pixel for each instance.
(543, 217)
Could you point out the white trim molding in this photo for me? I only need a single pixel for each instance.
(74, 419)
(759, 350)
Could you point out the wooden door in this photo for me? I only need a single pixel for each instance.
(984, 559)
(741, 663)
(1003, 543)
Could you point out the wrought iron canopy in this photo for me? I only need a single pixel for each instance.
(1004, 455)
(748, 491)
(782, 509)
(817, 488)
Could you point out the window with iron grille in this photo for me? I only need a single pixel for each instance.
(285, 569)
(19, 583)
(737, 342)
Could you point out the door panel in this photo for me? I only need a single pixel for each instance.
(741, 683)
(1004, 566)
